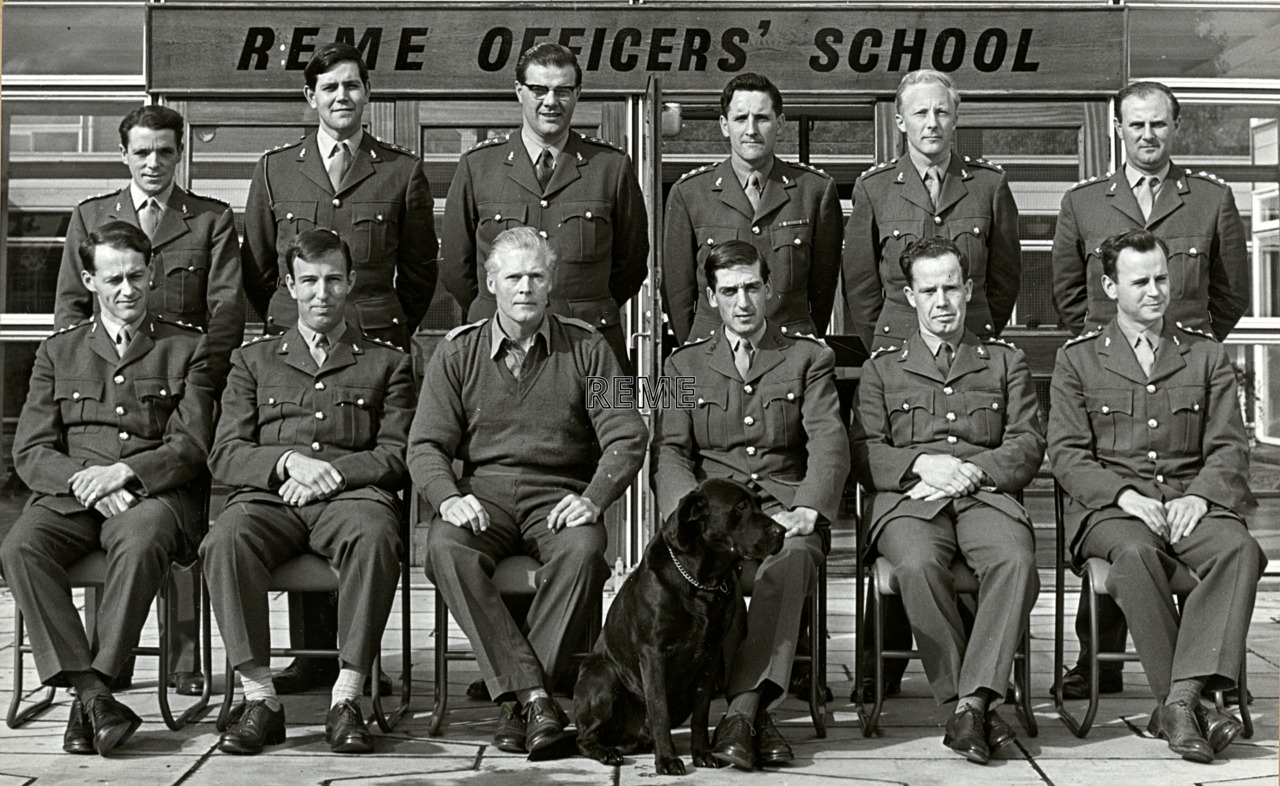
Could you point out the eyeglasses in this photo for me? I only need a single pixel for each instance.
(561, 93)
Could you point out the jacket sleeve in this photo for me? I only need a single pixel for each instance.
(437, 427)
(458, 238)
(383, 464)
(1072, 447)
(1004, 256)
(630, 266)
(237, 458)
(182, 455)
(676, 470)
(39, 449)
(620, 431)
(824, 267)
(416, 254)
(1015, 461)
(74, 304)
(1223, 480)
(258, 258)
(864, 292)
(225, 297)
(1070, 271)
(1229, 273)
(877, 462)
(826, 440)
(679, 260)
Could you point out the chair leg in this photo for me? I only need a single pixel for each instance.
(16, 718)
(201, 704)
(228, 696)
(873, 720)
(386, 721)
(1242, 690)
(442, 667)
(817, 655)
(1022, 684)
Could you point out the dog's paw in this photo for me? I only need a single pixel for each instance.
(610, 757)
(704, 759)
(668, 765)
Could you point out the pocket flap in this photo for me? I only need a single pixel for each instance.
(1108, 401)
(907, 400)
(77, 389)
(295, 211)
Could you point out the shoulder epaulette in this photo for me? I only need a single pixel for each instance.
(982, 162)
(600, 142)
(179, 323)
(263, 337)
(208, 199)
(460, 329)
(287, 146)
(697, 171)
(394, 146)
(70, 328)
(807, 337)
(1094, 179)
(1084, 336)
(692, 342)
(575, 322)
(103, 195)
(1193, 331)
(490, 142)
(1000, 341)
(1203, 175)
(381, 343)
(884, 166)
(883, 351)
(811, 168)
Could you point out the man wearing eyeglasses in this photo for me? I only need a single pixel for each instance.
(579, 192)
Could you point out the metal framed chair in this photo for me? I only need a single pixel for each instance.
(1095, 573)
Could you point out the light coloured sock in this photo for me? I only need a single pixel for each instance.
(972, 700)
(257, 684)
(529, 694)
(349, 685)
(746, 703)
(1187, 691)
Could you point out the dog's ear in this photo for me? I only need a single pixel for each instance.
(685, 526)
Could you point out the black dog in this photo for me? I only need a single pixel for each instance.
(661, 650)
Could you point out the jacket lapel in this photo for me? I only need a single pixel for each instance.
(519, 167)
(173, 222)
(953, 187)
(970, 356)
(911, 187)
(1122, 198)
(1169, 199)
(768, 355)
(362, 167)
(293, 347)
(781, 181)
(567, 164)
(311, 164)
(343, 353)
(1169, 355)
(101, 344)
(1117, 356)
(731, 193)
(917, 359)
(720, 357)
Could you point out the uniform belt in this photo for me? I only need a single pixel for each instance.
(490, 470)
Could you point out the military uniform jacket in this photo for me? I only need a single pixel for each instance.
(1175, 433)
(778, 431)
(983, 411)
(195, 268)
(353, 413)
(151, 409)
(384, 212)
(892, 210)
(1194, 213)
(796, 229)
(592, 214)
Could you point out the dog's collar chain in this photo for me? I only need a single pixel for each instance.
(722, 587)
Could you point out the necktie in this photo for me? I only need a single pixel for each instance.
(933, 182)
(1146, 354)
(320, 352)
(742, 358)
(339, 163)
(122, 341)
(754, 191)
(943, 359)
(544, 167)
(1146, 194)
(515, 358)
(149, 217)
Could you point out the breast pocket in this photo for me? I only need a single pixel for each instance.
(971, 235)
(984, 411)
(1188, 268)
(708, 237)
(895, 236)
(1111, 418)
(358, 414)
(1187, 405)
(494, 218)
(373, 231)
(182, 276)
(279, 414)
(584, 232)
(792, 249)
(711, 416)
(910, 416)
(158, 397)
(782, 421)
(292, 219)
(78, 400)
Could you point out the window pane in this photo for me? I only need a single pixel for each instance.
(64, 38)
(1200, 43)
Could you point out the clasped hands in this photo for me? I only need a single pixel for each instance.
(943, 476)
(574, 510)
(1172, 520)
(102, 488)
(310, 480)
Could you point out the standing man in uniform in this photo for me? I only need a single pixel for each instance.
(1194, 213)
(113, 434)
(947, 431)
(579, 192)
(1146, 438)
(790, 213)
(375, 196)
(767, 416)
(195, 279)
(311, 440)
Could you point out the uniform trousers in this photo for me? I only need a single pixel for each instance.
(140, 543)
(1208, 641)
(359, 536)
(1001, 551)
(461, 564)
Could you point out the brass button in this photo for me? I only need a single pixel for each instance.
(886, 328)
(796, 241)
(1105, 409)
(791, 396)
(319, 416)
(750, 421)
(379, 217)
(977, 231)
(289, 216)
(711, 241)
(951, 416)
(748, 389)
(905, 406)
(119, 410)
(271, 400)
(75, 396)
(359, 402)
(1152, 423)
(937, 219)
(119, 379)
(948, 390)
(951, 439)
(319, 386)
(588, 214)
(896, 233)
(755, 230)
(542, 233)
(1151, 388)
(1193, 249)
(315, 445)
(995, 405)
(124, 435)
(543, 203)
(751, 451)
(395, 320)
(1160, 478)
(1152, 455)
(497, 216)
(755, 476)
(337, 202)
(1195, 407)
(701, 401)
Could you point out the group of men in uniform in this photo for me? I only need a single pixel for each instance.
(317, 433)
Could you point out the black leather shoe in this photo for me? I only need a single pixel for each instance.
(113, 724)
(733, 743)
(1075, 683)
(78, 738)
(478, 691)
(385, 688)
(345, 729)
(510, 735)
(256, 725)
(966, 735)
(1220, 728)
(544, 723)
(998, 732)
(1177, 723)
(771, 746)
(187, 683)
(306, 674)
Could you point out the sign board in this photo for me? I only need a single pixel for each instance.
(448, 49)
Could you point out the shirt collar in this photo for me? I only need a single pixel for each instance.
(328, 143)
(1133, 175)
(534, 146)
(922, 166)
(140, 197)
(1131, 335)
(743, 172)
(934, 343)
(310, 336)
(755, 338)
(498, 335)
(113, 325)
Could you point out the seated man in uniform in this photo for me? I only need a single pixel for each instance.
(1146, 438)
(506, 396)
(947, 430)
(311, 440)
(767, 415)
(114, 431)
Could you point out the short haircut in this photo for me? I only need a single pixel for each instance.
(520, 241)
(549, 55)
(733, 253)
(157, 118)
(313, 244)
(750, 83)
(931, 248)
(1143, 90)
(120, 235)
(1139, 240)
(330, 55)
(926, 76)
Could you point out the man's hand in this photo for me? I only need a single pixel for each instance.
(296, 494)
(117, 501)
(1183, 514)
(1147, 510)
(797, 521)
(573, 511)
(319, 476)
(91, 484)
(465, 512)
(948, 473)
(924, 491)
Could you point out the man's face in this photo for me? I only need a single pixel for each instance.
(940, 294)
(339, 98)
(521, 283)
(152, 156)
(739, 295)
(1141, 286)
(752, 127)
(320, 287)
(1147, 127)
(928, 118)
(119, 281)
(547, 98)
